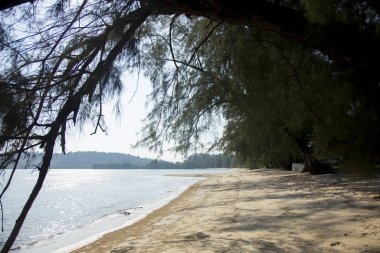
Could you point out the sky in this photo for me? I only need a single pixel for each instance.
(122, 131)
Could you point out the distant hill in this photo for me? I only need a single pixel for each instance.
(89, 160)
(102, 160)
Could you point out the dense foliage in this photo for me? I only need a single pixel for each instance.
(279, 99)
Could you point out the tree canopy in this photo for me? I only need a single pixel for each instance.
(291, 77)
(279, 98)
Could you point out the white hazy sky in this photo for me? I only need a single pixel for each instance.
(122, 132)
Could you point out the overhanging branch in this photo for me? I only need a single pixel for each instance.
(345, 44)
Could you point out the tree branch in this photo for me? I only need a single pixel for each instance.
(345, 44)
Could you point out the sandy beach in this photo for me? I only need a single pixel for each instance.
(259, 211)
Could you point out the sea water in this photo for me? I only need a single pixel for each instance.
(77, 206)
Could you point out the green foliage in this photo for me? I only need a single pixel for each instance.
(278, 98)
(176, 115)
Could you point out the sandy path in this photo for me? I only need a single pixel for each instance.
(259, 211)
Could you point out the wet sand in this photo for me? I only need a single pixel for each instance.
(259, 211)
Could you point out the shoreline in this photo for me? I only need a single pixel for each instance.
(151, 208)
(256, 211)
(128, 208)
(141, 221)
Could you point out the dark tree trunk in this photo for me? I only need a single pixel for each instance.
(312, 165)
(288, 163)
(318, 168)
(43, 170)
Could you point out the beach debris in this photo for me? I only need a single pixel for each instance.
(128, 211)
(335, 243)
(196, 236)
(125, 212)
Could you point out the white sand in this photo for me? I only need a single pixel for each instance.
(259, 211)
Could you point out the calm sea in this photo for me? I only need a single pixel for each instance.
(79, 205)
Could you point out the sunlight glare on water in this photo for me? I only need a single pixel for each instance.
(73, 201)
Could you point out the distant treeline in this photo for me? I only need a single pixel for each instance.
(199, 161)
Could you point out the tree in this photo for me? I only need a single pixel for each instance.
(279, 99)
(63, 59)
(61, 81)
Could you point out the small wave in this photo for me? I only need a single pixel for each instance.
(22, 246)
(18, 247)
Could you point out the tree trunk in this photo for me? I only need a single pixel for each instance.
(311, 164)
(20, 220)
(43, 170)
(308, 164)
(288, 163)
